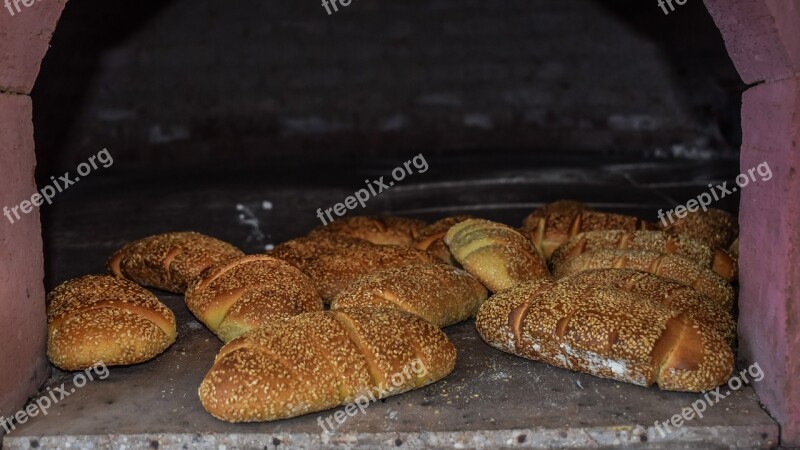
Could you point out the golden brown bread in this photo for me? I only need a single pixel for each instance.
(440, 294)
(558, 206)
(320, 360)
(733, 250)
(495, 254)
(169, 261)
(672, 294)
(380, 230)
(549, 231)
(658, 241)
(607, 332)
(715, 227)
(673, 267)
(335, 263)
(242, 294)
(431, 238)
(99, 318)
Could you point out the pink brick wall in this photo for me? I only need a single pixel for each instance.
(24, 39)
(763, 40)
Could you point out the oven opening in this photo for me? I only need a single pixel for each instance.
(257, 123)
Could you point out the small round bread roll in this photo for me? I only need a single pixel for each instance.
(380, 230)
(495, 254)
(440, 294)
(169, 261)
(431, 238)
(243, 294)
(99, 318)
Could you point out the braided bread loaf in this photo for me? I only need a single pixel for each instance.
(169, 261)
(606, 331)
(320, 360)
(98, 318)
(242, 294)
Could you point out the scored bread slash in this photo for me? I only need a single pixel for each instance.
(320, 360)
(169, 261)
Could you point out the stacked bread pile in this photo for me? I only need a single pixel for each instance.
(326, 318)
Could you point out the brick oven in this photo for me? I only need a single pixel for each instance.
(243, 120)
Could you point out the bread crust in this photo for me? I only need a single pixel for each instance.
(682, 245)
(379, 230)
(442, 295)
(169, 261)
(495, 254)
(321, 360)
(242, 294)
(607, 332)
(431, 238)
(549, 231)
(98, 318)
(673, 267)
(335, 262)
(715, 227)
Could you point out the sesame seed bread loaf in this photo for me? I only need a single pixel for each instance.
(733, 250)
(169, 261)
(380, 230)
(321, 360)
(242, 294)
(673, 267)
(669, 293)
(607, 332)
(440, 294)
(99, 318)
(715, 227)
(335, 263)
(549, 231)
(431, 238)
(682, 245)
(495, 254)
(558, 206)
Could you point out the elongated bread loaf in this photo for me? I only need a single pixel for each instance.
(607, 332)
(431, 238)
(440, 294)
(698, 251)
(242, 294)
(98, 318)
(673, 267)
(169, 261)
(495, 254)
(550, 231)
(715, 227)
(676, 296)
(320, 360)
(733, 250)
(380, 230)
(334, 264)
